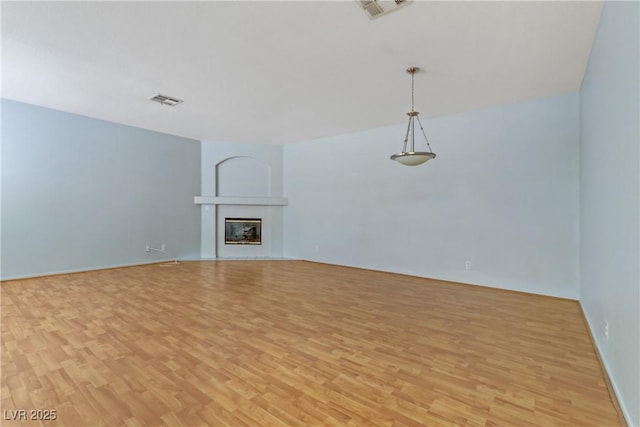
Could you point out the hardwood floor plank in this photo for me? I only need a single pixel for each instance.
(292, 343)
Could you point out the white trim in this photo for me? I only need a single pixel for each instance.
(160, 261)
(85, 270)
(239, 259)
(607, 372)
(256, 201)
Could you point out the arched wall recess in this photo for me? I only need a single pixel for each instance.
(243, 176)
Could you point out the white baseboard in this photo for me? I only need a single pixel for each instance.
(607, 372)
(83, 270)
(157, 261)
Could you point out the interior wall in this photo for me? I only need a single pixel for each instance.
(241, 170)
(81, 194)
(501, 197)
(610, 197)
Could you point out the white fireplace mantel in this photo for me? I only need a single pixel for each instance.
(254, 201)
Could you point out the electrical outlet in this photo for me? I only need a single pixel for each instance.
(467, 265)
(162, 247)
(606, 330)
(317, 248)
(147, 248)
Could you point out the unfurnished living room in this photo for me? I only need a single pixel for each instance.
(309, 213)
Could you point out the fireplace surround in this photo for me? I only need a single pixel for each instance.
(241, 182)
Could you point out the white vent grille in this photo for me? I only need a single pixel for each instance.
(376, 8)
(372, 7)
(165, 100)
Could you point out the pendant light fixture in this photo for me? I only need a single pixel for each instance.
(413, 157)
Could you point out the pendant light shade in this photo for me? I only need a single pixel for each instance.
(409, 156)
(413, 158)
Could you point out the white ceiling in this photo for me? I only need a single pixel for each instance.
(281, 72)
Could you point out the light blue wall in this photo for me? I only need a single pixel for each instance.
(502, 194)
(610, 197)
(80, 193)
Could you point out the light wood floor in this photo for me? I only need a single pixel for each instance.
(292, 343)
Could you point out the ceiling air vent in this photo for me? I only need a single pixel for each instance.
(165, 100)
(376, 8)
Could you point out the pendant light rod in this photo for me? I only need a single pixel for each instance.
(412, 71)
(412, 114)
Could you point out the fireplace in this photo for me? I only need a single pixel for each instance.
(243, 231)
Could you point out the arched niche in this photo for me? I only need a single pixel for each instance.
(243, 177)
